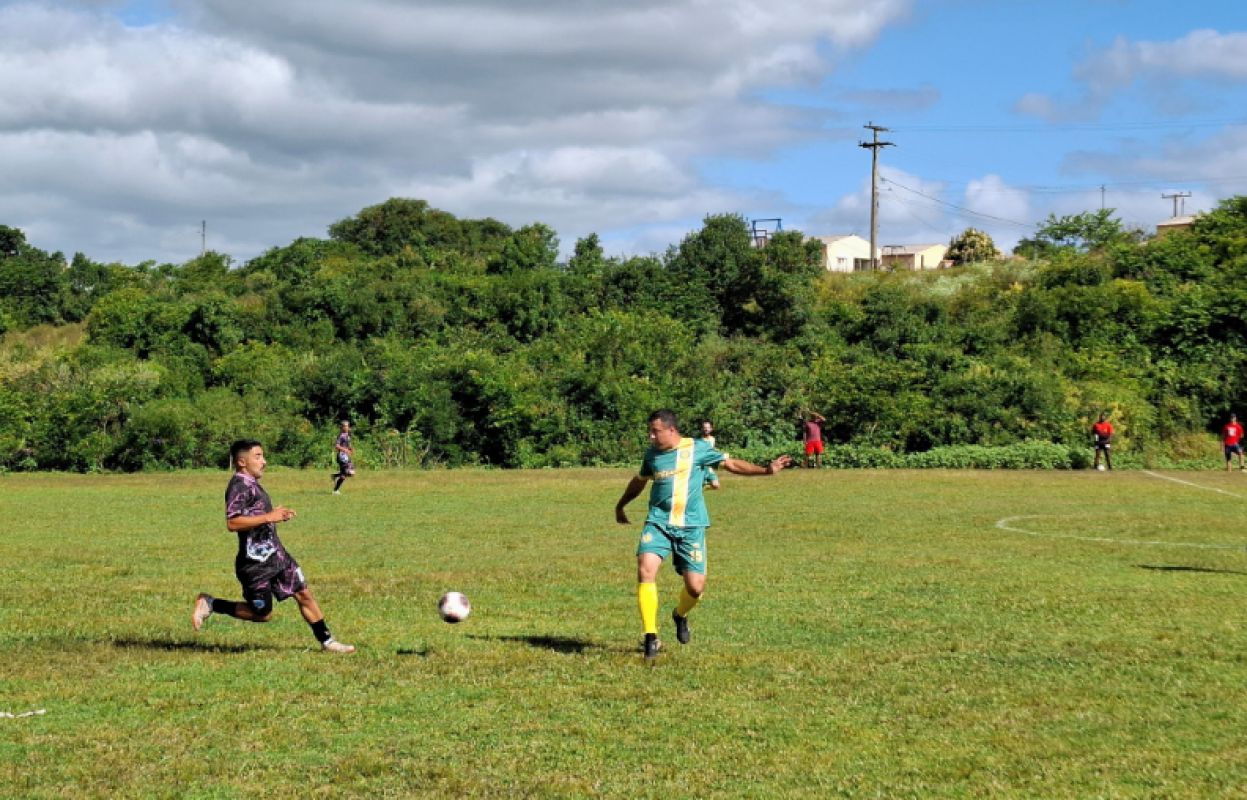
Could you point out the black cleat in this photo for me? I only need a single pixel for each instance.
(652, 646)
(681, 628)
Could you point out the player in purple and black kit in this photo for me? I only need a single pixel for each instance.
(265, 569)
(343, 451)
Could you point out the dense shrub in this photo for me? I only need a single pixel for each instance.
(453, 342)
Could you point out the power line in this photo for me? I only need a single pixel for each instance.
(962, 209)
(908, 209)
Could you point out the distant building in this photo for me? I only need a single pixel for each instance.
(914, 256)
(845, 253)
(1173, 224)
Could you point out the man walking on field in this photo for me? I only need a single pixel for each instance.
(677, 520)
(1232, 440)
(1102, 439)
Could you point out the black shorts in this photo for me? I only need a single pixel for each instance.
(1103, 446)
(278, 576)
(1231, 449)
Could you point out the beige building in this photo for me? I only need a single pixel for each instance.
(845, 253)
(1173, 224)
(913, 256)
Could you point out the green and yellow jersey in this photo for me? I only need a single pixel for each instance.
(676, 496)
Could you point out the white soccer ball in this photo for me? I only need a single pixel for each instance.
(454, 607)
(1100, 467)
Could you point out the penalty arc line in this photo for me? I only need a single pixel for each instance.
(1003, 524)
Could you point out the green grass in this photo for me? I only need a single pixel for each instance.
(865, 634)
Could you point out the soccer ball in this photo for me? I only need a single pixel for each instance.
(454, 607)
(1100, 467)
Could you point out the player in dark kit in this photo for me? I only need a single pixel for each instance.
(342, 452)
(265, 569)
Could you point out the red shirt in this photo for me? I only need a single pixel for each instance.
(1232, 432)
(1103, 431)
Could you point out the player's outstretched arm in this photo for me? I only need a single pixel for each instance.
(279, 514)
(738, 467)
(634, 488)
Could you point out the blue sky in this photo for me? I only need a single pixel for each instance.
(124, 125)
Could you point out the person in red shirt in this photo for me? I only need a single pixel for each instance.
(1102, 438)
(1231, 438)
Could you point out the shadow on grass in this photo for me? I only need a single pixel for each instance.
(175, 645)
(559, 644)
(413, 651)
(1170, 568)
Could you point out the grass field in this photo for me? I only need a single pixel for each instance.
(865, 634)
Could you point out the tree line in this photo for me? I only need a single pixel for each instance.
(453, 341)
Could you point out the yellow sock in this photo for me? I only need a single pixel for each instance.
(687, 602)
(647, 601)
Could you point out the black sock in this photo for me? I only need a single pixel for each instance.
(337, 484)
(320, 630)
(227, 607)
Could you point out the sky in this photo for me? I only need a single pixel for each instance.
(145, 130)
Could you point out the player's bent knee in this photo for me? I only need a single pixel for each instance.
(261, 608)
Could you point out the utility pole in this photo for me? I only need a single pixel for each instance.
(203, 237)
(1176, 196)
(873, 146)
(1101, 197)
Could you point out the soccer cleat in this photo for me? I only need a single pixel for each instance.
(681, 628)
(203, 610)
(334, 646)
(652, 645)
(335, 491)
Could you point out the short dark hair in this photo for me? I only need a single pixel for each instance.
(666, 417)
(238, 448)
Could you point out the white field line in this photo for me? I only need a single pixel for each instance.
(10, 715)
(1193, 485)
(1003, 524)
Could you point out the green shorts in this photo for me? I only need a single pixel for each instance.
(687, 544)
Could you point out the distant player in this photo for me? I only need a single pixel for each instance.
(1102, 440)
(343, 452)
(677, 520)
(265, 569)
(812, 427)
(1232, 440)
(707, 436)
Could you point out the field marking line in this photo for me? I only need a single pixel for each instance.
(1003, 524)
(35, 713)
(1193, 485)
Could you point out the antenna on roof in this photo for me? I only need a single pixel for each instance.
(762, 232)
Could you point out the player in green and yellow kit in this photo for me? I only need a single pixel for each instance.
(677, 519)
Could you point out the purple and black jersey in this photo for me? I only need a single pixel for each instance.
(262, 564)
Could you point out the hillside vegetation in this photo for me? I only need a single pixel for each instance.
(452, 341)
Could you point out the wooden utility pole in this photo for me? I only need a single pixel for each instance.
(873, 146)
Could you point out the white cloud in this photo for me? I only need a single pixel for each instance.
(1161, 67)
(274, 119)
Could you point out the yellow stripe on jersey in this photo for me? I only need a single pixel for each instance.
(681, 482)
